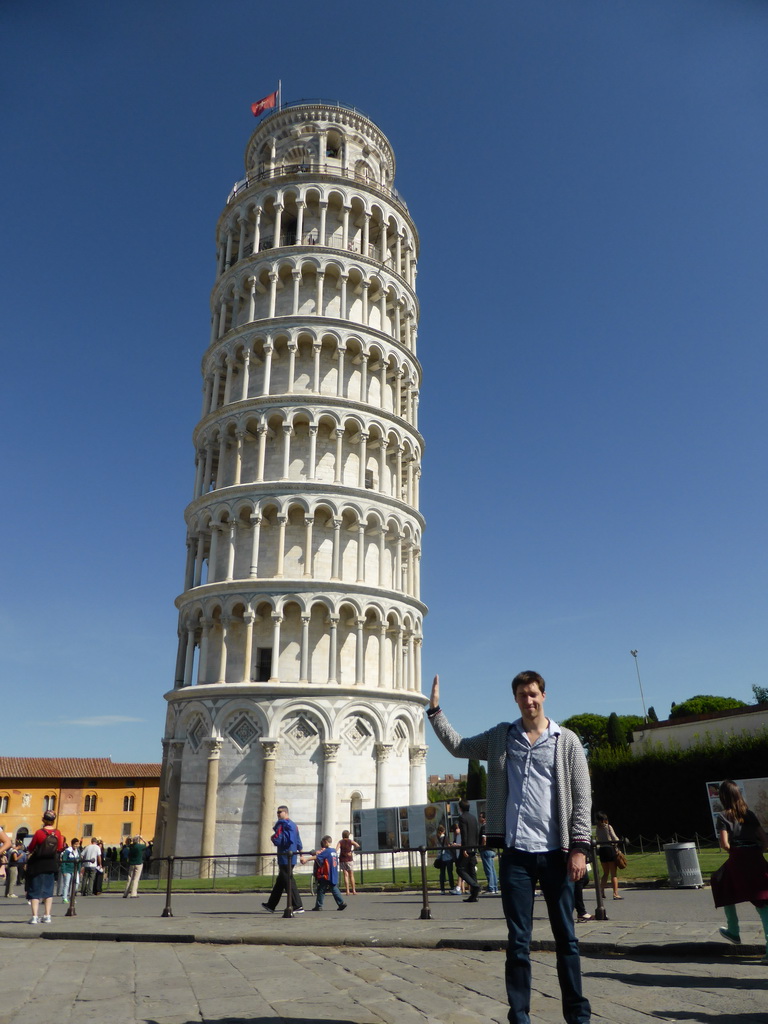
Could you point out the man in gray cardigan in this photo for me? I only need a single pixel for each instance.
(538, 810)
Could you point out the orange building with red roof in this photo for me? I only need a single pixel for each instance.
(90, 795)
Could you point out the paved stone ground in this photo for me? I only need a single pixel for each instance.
(222, 960)
(679, 921)
(163, 983)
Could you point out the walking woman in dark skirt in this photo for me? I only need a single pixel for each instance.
(744, 876)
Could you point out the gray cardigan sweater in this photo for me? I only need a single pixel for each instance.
(574, 798)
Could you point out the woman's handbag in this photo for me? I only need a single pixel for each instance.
(621, 860)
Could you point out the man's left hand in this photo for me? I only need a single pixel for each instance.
(577, 865)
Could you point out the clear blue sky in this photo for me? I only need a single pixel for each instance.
(589, 182)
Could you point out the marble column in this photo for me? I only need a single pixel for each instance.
(333, 649)
(202, 661)
(249, 618)
(417, 759)
(268, 808)
(305, 620)
(330, 752)
(208, 842)
(382, 750)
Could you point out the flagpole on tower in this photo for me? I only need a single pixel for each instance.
(279, 94)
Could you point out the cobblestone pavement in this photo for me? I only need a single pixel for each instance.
(164, 983)
(683, 922)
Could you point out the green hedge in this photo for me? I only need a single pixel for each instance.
(664, 792)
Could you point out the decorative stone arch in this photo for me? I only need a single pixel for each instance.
(364, 171)
(304, 262)
(360, 732)
(407, 731)
(243, 509)
(296, 711)
(194, 725)
(298, 156)
(358, 710)
(242, 724)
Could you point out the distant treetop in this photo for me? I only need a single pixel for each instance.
(702, 704)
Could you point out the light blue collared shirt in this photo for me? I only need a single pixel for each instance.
(531, 821)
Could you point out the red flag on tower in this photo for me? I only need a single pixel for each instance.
(266, 104)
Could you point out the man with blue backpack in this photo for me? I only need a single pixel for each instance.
(326, 873)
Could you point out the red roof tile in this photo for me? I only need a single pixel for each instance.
(74, 768)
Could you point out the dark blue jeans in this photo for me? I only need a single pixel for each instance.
(518, 873)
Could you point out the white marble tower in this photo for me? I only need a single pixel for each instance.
(298, 674)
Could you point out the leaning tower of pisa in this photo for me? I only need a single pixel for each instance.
(300, 623)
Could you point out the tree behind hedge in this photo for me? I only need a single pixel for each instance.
(615, 732)
(664, 791)
(476, 781)
(703, 704)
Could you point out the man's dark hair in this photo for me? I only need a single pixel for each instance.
(524, 678)
(463, 805)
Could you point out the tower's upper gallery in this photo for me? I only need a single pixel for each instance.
(318, 133)
(324, 138)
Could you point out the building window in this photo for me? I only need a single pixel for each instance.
(128, 802)
(127, 829)
(3, 804)
(90, 803)
(87, 831)
(263, 664)
(49, 803)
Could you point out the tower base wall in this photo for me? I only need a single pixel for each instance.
(234, 753)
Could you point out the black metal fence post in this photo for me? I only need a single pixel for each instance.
(167, 912)
(426, 913)
(600, 912)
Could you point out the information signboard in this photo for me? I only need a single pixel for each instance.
(754, 791)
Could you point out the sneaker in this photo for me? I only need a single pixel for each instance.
(12, 896)
(729, 936)
(456, 891)
(64, 899)
(267, 907)
(46, 918)
(34, 919)
(298, 910)
(584, 917)
(342, 906)
(315, 908)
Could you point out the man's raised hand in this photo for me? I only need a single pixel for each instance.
(434, 700)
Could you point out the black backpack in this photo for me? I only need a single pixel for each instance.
(48, 848)
(50, 845)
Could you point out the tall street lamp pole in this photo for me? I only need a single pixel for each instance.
(639, 683)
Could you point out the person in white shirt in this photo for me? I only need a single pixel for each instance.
(91, 865)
